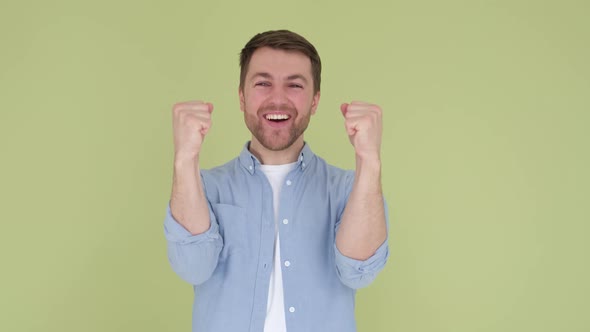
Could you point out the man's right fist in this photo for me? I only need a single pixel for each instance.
(191, 121)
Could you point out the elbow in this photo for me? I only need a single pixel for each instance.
(194, 266)
(357, 281)
(357, 274)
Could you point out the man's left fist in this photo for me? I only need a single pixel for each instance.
(364, 126)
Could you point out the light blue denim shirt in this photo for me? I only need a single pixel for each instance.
(230, 264)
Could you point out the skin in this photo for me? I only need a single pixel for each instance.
(280, 83)
(363, 228)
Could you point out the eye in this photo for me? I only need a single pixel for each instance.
(297, 86)
(262, 84)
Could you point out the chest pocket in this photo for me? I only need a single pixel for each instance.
(233, 227)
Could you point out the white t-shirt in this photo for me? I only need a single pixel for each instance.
(275, 308)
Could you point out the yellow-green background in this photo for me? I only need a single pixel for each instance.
(485, 152)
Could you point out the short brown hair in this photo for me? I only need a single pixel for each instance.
(282, 40)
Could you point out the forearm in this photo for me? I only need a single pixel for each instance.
(188, 203)
(363, 227)
(192, 257)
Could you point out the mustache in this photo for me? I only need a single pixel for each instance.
(274, 107)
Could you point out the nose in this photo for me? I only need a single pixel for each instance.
(278, 96)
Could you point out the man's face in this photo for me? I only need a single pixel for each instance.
(277, 97)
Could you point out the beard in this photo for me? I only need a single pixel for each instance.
(277, 139)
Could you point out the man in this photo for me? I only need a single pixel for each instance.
(276, 239)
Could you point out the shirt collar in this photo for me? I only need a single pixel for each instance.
(251, 163)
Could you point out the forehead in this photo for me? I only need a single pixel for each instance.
(279, 63)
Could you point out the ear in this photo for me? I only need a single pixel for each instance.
(242, 100)
(314, 102)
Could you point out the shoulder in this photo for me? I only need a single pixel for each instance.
(336, 177)
(218, 173)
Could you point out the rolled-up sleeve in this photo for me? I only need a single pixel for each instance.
(360, 273)
(356, 273)
(192, 257)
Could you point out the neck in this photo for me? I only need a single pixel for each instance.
(281, 157)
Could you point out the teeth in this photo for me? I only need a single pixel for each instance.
(277, 116)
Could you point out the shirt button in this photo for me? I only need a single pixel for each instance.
(302, 164)
(292, 309)
(285, 221)
(250, 167)
(287, 263)
(289, 182)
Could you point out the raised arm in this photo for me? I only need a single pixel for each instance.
(190, 227)
(363, 226)
(188, 204)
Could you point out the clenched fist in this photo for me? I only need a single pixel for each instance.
(364, 126)
(191, 122)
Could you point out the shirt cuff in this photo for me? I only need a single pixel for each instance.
(175, 232)
(353, 267)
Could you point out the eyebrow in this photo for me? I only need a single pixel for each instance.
(289, 78)
(297, 76)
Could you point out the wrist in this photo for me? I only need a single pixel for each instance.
(186, 161)
(369, 159)
(368, 166)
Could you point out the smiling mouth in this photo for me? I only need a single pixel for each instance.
(277, 117)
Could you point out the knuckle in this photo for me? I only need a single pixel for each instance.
(178, 106)
(189, 105)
